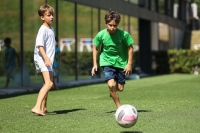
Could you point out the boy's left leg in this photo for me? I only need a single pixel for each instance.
(119, 84)
(110, 75)
(119, 87)
(120, 80)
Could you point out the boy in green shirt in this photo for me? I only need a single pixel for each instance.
(116, 54)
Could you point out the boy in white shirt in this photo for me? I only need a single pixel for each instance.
(44, 56)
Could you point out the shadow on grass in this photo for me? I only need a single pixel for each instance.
(65, 111)
(131, 132)
(57, 112)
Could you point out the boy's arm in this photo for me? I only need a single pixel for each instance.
(47, 61)
(130, 55)
(128, 68)
(95, 52)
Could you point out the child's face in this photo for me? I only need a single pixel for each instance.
(47, 18)
(112, 26)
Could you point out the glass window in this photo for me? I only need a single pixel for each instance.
(10, 28)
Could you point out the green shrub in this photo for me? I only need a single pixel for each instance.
(183, 61)
(171, 61)
(68, 63)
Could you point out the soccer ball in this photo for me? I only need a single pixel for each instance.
(126, 115)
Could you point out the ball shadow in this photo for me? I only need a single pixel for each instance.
(131, 132)
(144, 111)
(113, 111)
(139, 111)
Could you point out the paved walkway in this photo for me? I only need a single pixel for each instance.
(34, 88)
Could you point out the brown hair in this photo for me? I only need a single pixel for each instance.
(45, 8)
(112, 15)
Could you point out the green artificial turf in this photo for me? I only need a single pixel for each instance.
(165, 104)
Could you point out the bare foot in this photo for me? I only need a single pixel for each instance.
(38, 112)
(45, 111)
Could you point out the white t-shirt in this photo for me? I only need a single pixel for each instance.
(45, 38)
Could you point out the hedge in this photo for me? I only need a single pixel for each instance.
(171, 61)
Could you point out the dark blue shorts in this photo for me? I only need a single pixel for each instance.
(114, 73)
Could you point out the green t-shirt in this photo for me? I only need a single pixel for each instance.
(114, 47)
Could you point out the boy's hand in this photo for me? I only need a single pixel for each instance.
(94, 69)
(47, 62)
(128, 69)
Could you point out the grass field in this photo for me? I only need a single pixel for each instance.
(165, 104)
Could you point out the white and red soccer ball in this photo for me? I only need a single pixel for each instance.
(126, 115)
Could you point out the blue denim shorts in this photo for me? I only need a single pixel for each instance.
(114, 73)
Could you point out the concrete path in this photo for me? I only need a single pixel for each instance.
(35, 88)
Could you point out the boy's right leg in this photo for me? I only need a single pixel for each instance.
(113, 92)
(44, 104)
(48, 77)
